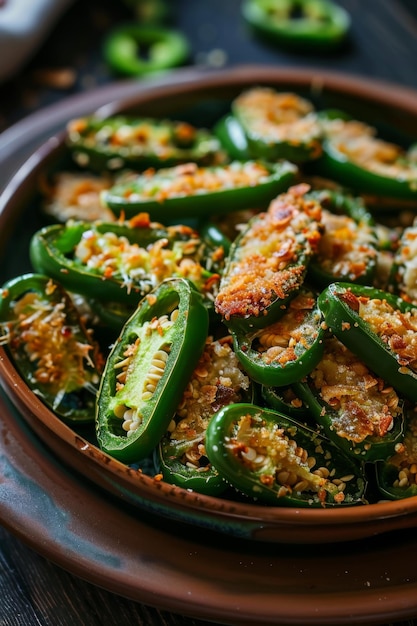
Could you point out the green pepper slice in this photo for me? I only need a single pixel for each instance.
(278, 125)
(270, 457)
(300, 24)
(397, 475)
(124, 141)
(284, 400)
(148, 369)
(165, 48)
(377, 326)
(361, 413)
(348, 248)
(233, 138)
(121, 261)
(355, 156)
(50, 345)
(216, 381)
(268, 261)
(288, 349)
(190, 191)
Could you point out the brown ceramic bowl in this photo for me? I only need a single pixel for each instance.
(204, 95)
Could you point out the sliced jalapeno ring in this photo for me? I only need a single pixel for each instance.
(161, 49)
(288, 349)
(360, 412)
(148, 369)
(190, 191)
(272, 458)
(379, 327)
(122, 141)
(302, 24)
(54, 353)
(258, 282)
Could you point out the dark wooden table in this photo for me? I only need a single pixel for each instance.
(383, 45)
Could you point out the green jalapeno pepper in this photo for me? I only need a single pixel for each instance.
(377, 326)
(284, 400)
(165, 48)
(124, 141)
(191, 191)
(361, 413)
(148, 369)
(278, 125)
(268, 262)
(397, 475)
(302, 24)
(216, 381)
(272, 458)
(288, 349)
(50, 346)
(121, 262)
(348, 248)
(233, 138)
(354, 155)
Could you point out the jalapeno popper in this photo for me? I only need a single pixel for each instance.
(268, 262)
(377, 326)
(278, 125)
(218, 380)
(285, 351)
(354, 155)
(191, 191)
(275, 460)
(124, 141)
(123, 261)
(50, 345)
(359, 411)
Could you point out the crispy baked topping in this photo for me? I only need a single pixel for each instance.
(345, 248)
(359, 143)
(364, 405)
(217, 380)
(190, 179)
(266, 265)
(277, 117)
(286, 339)
(396, 329)
(115, 257)
(42, 331)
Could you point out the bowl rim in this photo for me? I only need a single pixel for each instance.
(371, 518)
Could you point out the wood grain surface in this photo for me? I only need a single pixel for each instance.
(383, 45)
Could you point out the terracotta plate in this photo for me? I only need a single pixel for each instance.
(203, 96)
